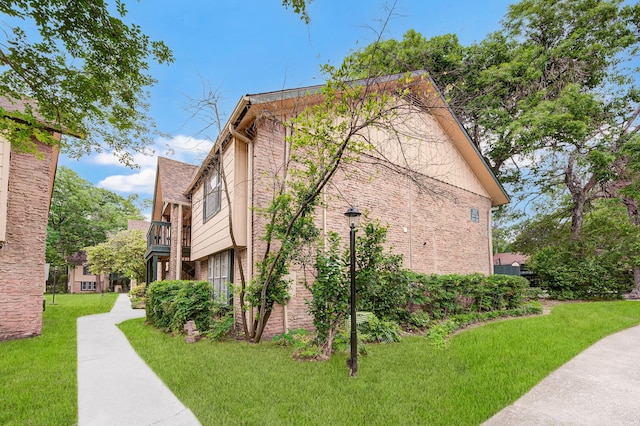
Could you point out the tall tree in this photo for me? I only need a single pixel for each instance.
(122, 253)
(550, 93)
(76, 66)
(82, 215)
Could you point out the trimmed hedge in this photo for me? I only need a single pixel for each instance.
(445, 295)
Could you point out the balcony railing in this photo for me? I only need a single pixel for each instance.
(159, 235)
(159, 238)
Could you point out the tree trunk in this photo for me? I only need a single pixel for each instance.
(634, 217)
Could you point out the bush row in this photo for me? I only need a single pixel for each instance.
(405, 295)
(566, 273)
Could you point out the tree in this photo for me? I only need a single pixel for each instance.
(598, 265)
(122, 253)
(82, 215)
(549, 99)
(299, 7)
(77, 67)
(329, 304)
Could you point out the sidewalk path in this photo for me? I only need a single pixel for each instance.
(115, 387)
(600, 386)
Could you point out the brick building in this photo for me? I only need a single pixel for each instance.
(436, 194)
(26, 185)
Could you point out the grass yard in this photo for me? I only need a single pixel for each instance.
(483, 370)
(38, 376)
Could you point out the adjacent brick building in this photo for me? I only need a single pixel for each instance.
(26, 185)
(436, 195)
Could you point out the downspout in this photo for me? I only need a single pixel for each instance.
(490, 233)
(410, 226)
(179, 245)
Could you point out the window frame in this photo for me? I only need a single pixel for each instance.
(220, 274)
(85, 284)
(212, 197)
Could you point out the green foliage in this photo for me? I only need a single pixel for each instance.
(170, 304)
(296, 338)
(388, 294)
(299, 7)
(419, 319)
(122, 253)
(555, 87)
(222, 321)
(85, 70)
(382, 285)
(329, 303)
(374, 330)
(138, 296)
(598, 265)
(139, 290)
(82, 215)
(567, 272)
(445, 295)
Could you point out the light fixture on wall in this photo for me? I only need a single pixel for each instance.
(353, 220)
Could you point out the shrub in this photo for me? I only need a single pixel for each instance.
(139, 290)
(419, 319)
(297, 338)
(170, 304)
(379, 331)
(571, 272)
(222, 321)
(445, 295)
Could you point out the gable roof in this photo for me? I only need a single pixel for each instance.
(509, 258)
(245, 112)
(139, 225)
(172, 177)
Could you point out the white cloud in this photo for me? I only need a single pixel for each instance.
(179, 147)
(141, 182)
(183, 148)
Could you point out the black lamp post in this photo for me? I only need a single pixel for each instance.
(353, 218)
(55, 281)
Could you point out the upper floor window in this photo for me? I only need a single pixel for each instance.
(212, 192)
(85, 270)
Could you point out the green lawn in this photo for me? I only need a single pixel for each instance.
(483, 370)
(38, 376)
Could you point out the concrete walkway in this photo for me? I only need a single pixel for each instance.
(600, 386)
(115, 387)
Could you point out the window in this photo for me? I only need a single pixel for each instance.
(85, 270)
(475, 215)
(212, 189)
(220, 275)
(88, 286)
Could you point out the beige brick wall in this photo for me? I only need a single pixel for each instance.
(22, 277)
(429, 220)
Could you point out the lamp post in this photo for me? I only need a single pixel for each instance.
(55, 281)
(353, 218)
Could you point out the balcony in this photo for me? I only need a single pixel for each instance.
(159, 239)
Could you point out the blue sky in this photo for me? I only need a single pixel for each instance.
(259, 46)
